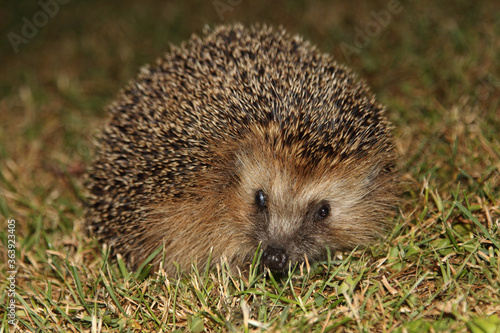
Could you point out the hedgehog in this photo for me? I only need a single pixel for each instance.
(243, 140)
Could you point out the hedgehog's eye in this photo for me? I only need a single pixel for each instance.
(323, 211)
(260, 199)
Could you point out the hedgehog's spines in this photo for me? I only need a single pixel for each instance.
(218, 116)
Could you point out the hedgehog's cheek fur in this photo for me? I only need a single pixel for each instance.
(172, 224)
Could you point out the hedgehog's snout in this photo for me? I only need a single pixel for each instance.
(275, 258)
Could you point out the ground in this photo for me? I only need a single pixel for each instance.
(435, 64)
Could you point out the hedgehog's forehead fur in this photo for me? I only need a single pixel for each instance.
(293, 185)
(192, 139)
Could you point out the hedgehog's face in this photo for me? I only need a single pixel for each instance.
(289, 225)
(295, 213)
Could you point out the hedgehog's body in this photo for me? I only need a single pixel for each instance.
(244, 137)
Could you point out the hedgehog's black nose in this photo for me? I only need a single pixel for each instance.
(275, 259)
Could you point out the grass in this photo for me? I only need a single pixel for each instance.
(435, 65)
